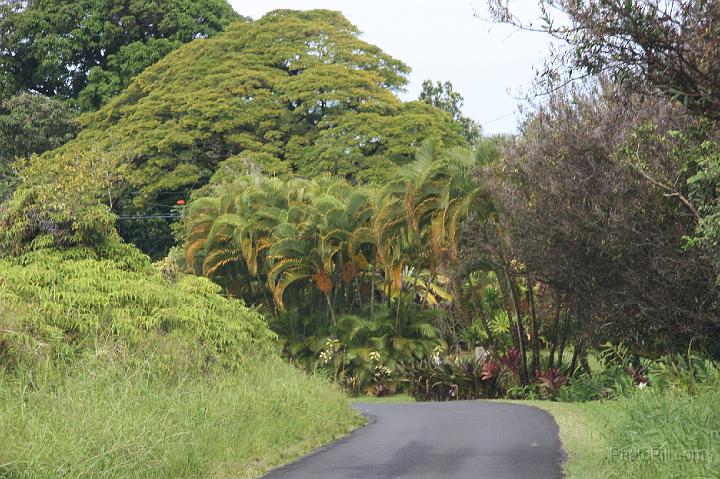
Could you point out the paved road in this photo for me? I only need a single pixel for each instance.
(462, 439)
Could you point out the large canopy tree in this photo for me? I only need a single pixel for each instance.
(292, 93)
(30, 124)
(91, 48)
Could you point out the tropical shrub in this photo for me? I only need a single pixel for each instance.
(361, 352)
(461, 375)
(446, 379)
(58, 303)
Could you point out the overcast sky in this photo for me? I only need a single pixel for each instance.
(490, 65)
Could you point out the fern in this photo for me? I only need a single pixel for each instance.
(64, 300)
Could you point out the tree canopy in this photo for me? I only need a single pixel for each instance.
(444, 96)
(292, 93)
(31, 124)
(59, 47)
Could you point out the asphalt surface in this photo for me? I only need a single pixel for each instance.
(459, 440)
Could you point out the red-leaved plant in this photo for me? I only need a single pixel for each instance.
(550, 382)
(511, 360)
(491, 368)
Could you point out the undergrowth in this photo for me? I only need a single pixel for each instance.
(111, 366)
(102, 419)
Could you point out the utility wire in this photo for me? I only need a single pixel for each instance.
(497, 119)
(145, 217)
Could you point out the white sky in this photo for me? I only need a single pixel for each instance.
(490, 65)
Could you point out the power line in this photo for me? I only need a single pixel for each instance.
(145, 217)
(497, 119)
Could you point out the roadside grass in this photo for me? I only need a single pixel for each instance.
(103, 420)
(111, 367)
(648, 435)
(584, 431)
(393, 399)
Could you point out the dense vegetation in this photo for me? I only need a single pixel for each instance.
(329, 253)
(89, 50)
(292, 93)
(155, 374)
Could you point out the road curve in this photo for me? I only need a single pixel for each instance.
(460, 439)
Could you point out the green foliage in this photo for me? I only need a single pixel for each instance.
(129, 61)
(63, 203)
(443, 96)
(614, 379)
(58, 47)
(362, 266)
(64, 300)
(115, 416)
(684, 373)
(295, 93)
(30, 124)
(361, 352)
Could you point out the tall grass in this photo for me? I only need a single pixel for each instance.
(104, 420)
(665, 434)
(659, 434)
(111, 368)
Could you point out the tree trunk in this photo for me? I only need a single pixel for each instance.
(564, 333)
(535, 365)
(584, 361)
(556, 332)
(330, 308)
(522, 340)
(576, 353)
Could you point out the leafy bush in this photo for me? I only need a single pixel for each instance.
(63, 301)
(684, 373)
(360, 352)
(447, 379)
(617, 375)
(464, 376)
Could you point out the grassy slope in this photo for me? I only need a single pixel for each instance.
(101, 420)
(109, 370)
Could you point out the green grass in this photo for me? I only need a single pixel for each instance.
(649, 435)
(112, 368)
(103, 420)
(394, 399)
(583, 432)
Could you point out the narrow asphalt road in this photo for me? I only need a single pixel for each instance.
(459, 440)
